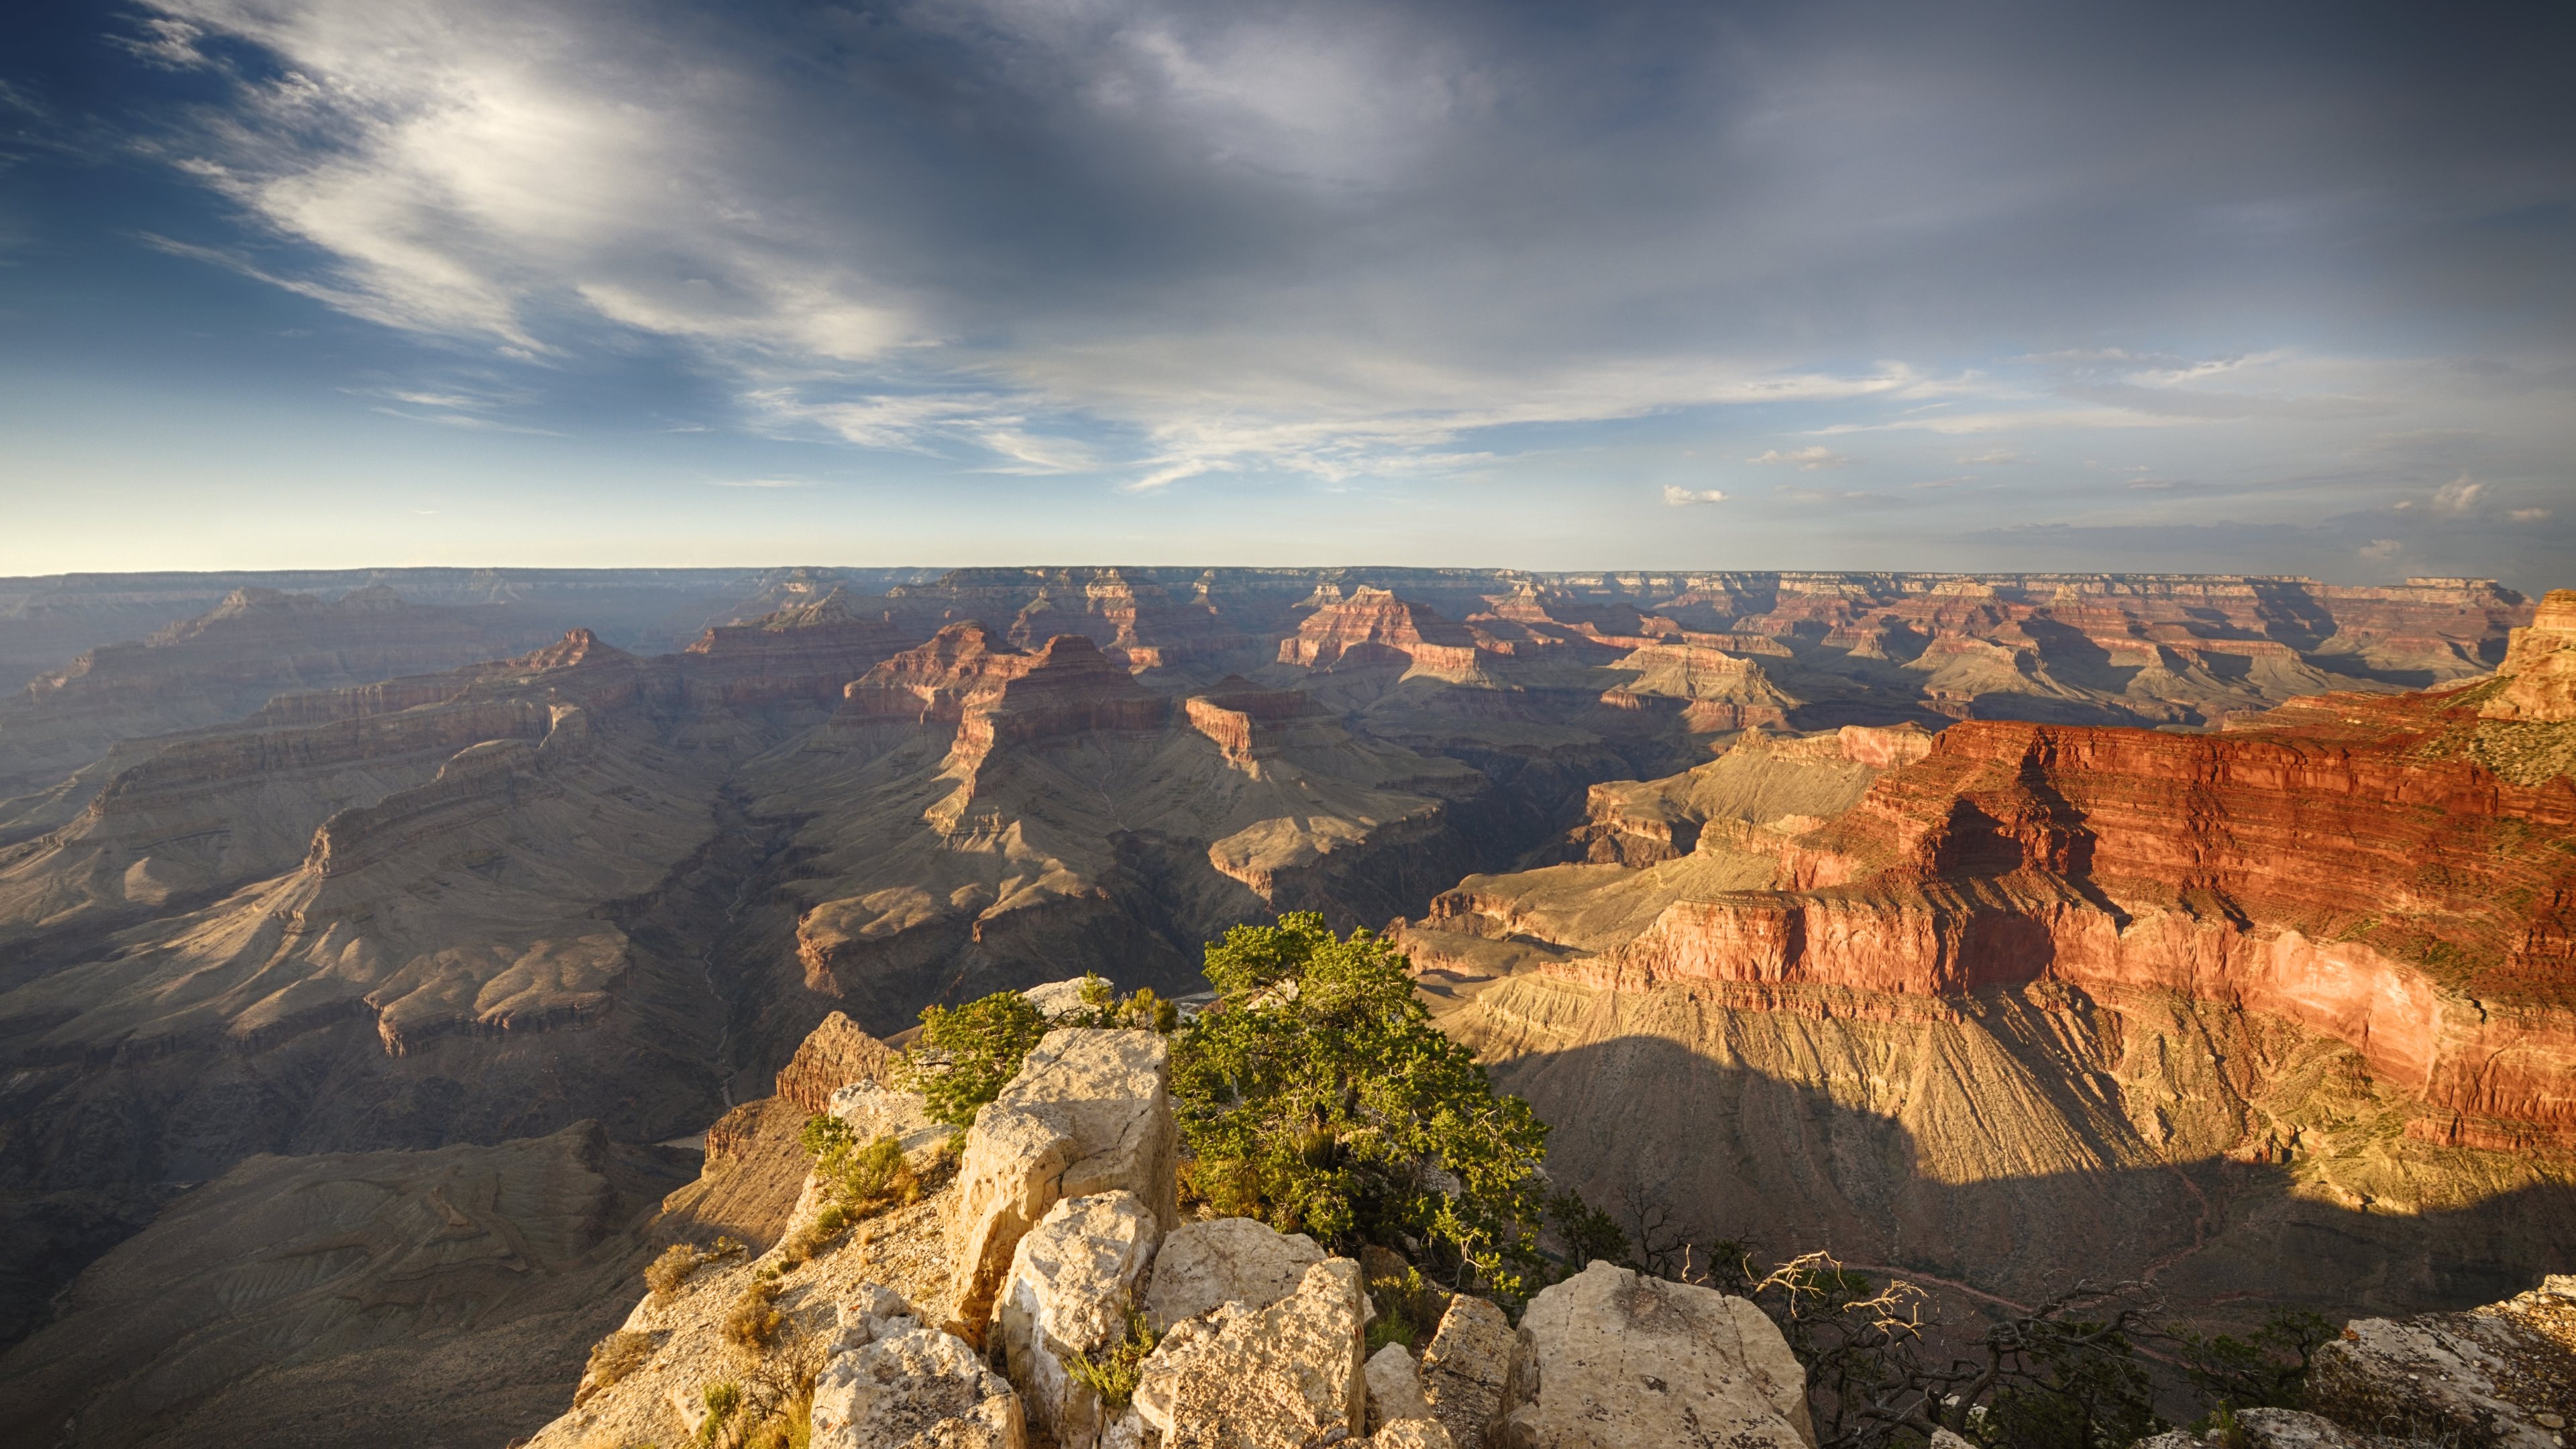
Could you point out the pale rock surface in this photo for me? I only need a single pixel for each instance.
(1610, 1359)
(1280, 1377)
(1089, 1112)
(1394, 1387)
(1466, 1369)
(1055, 998)
(2503, 1375)
(1072, 1280)
(2540, 665)
(875, 1111)
(2261, 1429)
(1225, 1260)
(919, 1390)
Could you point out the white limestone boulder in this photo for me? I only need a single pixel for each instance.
(923, 1389)
(1090, 1112)
(1394, 1387)
(1281, 1377)
(1071, 1283)
(1610, 1359)
(1227, 1260)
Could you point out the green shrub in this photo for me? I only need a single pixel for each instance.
(722, 1401)
(806, 1242)
(862, 1180)
(1114, 1374)
(1318, 1096)
(968, 1054)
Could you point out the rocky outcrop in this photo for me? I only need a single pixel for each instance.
(1289, 1374)
(1375, 626)
(919, 1390)
(1090, 1112)
(1072, 1283)
(2540, 666)
(1205, 1265)
(834, 1055)
(1466, 1370)
(2503, 1375)
(1612, 1360)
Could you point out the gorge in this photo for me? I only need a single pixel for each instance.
(2218, 931)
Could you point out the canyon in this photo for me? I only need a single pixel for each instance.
(2212, 929)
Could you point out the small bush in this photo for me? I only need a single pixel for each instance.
(862, 1180)
(722, 1401)
(679, 1260)
(1114, 1374)
(968, 1054)
(753, 1322)
(1408, 1309)
(613, 1358)
(804, 1244)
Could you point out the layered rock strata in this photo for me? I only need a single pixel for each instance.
(2061, 975)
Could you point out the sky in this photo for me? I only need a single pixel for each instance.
(2279, 288)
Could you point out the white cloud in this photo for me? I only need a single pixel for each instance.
(1806, 459)
(2528, 515)
(2381, 549)
(2459, 495)
(1992, 457)
(1684, 497)
(165, 44)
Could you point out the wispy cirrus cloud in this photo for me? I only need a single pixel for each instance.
(1806, 460)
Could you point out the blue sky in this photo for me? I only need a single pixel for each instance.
(334, 282)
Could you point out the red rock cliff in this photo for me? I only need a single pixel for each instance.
(2358, 866)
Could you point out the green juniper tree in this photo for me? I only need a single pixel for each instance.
(1317, 1096)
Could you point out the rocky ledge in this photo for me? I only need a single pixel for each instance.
(973, 1319)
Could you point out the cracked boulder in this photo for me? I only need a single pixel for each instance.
(1610, 1359)
(1090, 1112)
(918, 1390)
(1072, 1281)
(1283, 1377)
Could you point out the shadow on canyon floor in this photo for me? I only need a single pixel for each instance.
(1982, 1191)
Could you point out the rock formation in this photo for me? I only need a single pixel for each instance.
(976, 810)
(1089, 1113)
(1067, 1298)
(2500, 1375)
(1608, 1358)
(2150, 995)
(372, 897)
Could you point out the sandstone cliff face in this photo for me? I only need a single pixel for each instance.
(2180, 931)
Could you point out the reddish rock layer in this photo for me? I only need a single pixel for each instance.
(1374, 626)
(2381, 887)
(832, 1056)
